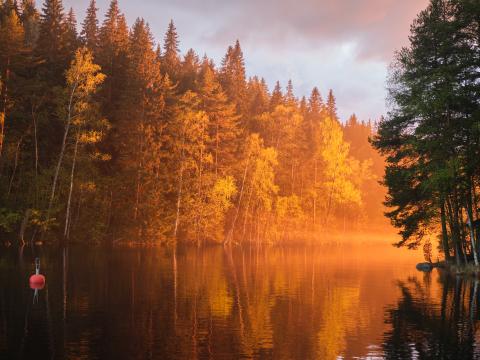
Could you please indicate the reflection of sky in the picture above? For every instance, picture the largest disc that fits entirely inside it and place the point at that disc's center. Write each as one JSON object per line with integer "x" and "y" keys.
{"x": 341, "y": 44}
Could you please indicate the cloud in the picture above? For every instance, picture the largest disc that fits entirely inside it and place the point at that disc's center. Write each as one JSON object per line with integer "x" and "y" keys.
{"x": 377, "y": 26}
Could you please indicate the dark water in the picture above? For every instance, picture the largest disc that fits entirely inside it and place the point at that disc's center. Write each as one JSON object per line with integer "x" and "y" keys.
{"x": 281, "y": 303}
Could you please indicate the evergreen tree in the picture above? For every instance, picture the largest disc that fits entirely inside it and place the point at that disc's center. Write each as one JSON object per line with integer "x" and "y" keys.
{"x": 277, "y": 96}
{"x": 140, "y": 130}
{"x": 112, "y": 57}
{"x": 52, "y": 40}
{"x": 90, "y": 30}
{"x": 171, "y": 59}
{"x": 71, "y": 36}
{"x": 223, "y": 127}
{"x": 189, "y": 70}
{"x": 232, "y": 77}
{"x": 429, "y": 138}
{"x": 331, "y": 106}
{"x": 258, "y": 100}
{"x": 30, "y": 20}
{"x": 290, "y": 96}
{"x": 315, "y": 103}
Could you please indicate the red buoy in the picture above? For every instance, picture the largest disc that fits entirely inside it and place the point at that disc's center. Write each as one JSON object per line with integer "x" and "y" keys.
{"x": 37, "y": 281}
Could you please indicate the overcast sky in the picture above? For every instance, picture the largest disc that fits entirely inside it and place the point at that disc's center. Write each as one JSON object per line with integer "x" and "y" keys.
{"x": 345, "y": 45}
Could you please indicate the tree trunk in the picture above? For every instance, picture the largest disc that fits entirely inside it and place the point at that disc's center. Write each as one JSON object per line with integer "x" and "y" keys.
{"x": 72, "y": 174}
{"x": 216, "y": 148}
{"x": 315, "y": 196}
{"x": 453, "y": 230}
{"x": 36, "y": 153}
{"x": 3, "y": 114}
{"x": 179, "y": 196}
{"x": 15, "y": 165}
{"x": 62, "y": 151}
{"x": 23, "y": 227}
{"x": 245, "y": 217}
{"x": 472, "y": 232}
{"x": 232, "y": 228}
{"x": 446, "y": 249}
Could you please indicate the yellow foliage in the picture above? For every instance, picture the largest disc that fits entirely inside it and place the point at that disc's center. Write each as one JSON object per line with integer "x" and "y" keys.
{"x": 339, "y": 304}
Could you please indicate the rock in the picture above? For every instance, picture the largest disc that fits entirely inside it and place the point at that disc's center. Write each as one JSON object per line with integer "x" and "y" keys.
{"x": 426, "y": 267}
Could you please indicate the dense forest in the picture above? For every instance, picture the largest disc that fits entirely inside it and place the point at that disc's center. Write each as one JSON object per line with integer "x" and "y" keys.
{"x": 431, "y": 136}
{"x": 107, "y": 135}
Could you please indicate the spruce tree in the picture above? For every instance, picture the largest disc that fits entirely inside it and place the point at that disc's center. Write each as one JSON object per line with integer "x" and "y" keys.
{"x": 290, "y": 96}
{"x": 277, "y": 96}
{"x": 223, "y": 126}
{"x": 170, "y": 58}
{"x": 315, "y": 103}
{"x": 429, "y": 138}
{"x": 52, "y": 40}
{"x": 90, "y": 30}
{"x": 31, "y": 21}
{"x": 233, "y": 78}
{"x": 71, "y": 36}
{"x": 112, "y": 57}
{"x": 331, "y": 106}
{"x": 189, "y": 70}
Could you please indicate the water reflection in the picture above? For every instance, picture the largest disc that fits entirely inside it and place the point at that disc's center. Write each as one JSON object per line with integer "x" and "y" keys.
{"x": 190, "y": 303}
{"x": 434, "y": 319}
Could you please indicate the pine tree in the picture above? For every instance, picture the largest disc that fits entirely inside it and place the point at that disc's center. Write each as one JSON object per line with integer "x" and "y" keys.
{"x": 140, "y": 129}
{"x": 429, "y": 138}
{"x": 7, "y": 6}
{"x": 277, "y": 96}
{"x": 223, "y": 127}
{"x": 171, "y": 59}
{"x": 112, "y": 57}
{"x": 31, "y": 21}
{"x": 303, "y": 107}
{"x": 290, "y": 96}
{"x": 189, "y": 70}
{"x": 51, "y": 44}
{"x": 90, "y": 30}
{"x": 315, "y": 103}
{"x": 331, "y": 106}
{"x": 71, "y": 36}
{"x": 258, "y": 100}
{"x": 232, "y": 77}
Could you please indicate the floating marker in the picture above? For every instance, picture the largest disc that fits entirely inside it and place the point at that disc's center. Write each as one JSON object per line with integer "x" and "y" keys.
{"x": 37, "y": 281}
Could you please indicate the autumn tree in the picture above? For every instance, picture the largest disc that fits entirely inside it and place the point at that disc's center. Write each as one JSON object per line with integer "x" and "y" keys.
{"x": 12, "y": 45}
{"x": 223, "y": 123}
{"x": 83, "y": 78}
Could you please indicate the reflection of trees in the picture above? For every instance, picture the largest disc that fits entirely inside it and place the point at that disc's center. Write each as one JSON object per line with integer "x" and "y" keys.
{"x": 423, "y": 328}
{"x": 189, "y": 303}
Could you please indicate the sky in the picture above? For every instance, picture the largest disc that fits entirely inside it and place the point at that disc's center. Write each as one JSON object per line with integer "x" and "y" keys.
{"x": 344, "y": 45}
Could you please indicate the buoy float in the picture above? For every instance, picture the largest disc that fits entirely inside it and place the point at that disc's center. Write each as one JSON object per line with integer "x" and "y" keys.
{"x": 37, "y": 281}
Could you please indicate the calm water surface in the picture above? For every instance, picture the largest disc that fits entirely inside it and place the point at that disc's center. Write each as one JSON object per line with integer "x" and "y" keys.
{"x": 211, "y": 303}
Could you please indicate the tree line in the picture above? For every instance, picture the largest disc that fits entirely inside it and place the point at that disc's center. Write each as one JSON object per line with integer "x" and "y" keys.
{"x": 106, "y": 134}
{"x": 431, "y": 137}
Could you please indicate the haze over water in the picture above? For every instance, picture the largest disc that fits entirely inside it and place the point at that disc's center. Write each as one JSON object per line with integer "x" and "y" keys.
{"x": 322, "y": 302}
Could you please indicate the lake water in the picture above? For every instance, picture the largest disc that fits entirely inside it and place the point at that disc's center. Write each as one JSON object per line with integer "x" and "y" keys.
{"x": 327, "y": 302}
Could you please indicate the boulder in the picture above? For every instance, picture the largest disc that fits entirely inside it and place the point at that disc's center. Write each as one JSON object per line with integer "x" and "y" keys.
{"x": 426, "y": 267}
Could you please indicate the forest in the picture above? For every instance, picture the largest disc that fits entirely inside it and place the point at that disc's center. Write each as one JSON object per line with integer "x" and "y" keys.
{"x": 431, "y": 137}
{"x": 108, "y": 136}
